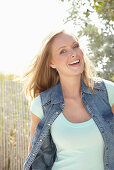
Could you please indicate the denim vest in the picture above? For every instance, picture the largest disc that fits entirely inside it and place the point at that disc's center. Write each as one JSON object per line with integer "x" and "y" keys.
{"x": 43, "y": 152}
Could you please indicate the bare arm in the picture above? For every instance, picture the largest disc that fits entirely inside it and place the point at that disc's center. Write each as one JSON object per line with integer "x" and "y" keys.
{"x": 113, "y": 108}
{"x": 34, "y": 122}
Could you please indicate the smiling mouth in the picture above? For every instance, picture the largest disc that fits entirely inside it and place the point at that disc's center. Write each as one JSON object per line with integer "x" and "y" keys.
{"x": 74, "y": 63}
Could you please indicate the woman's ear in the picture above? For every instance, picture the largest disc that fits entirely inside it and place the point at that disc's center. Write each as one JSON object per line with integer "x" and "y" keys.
{"x": 52, "y": 65}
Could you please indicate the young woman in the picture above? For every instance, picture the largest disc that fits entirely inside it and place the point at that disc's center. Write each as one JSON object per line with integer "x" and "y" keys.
{"x": 72, "y": 116}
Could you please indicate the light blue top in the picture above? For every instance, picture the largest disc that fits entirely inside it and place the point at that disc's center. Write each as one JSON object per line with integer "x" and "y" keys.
{"x": 79, "y": 145}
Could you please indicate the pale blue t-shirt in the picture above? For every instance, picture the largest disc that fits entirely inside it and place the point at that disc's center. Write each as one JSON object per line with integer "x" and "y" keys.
{"x": 80, "y": 146}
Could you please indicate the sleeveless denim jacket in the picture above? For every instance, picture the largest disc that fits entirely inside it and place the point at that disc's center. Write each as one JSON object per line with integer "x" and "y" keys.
{"x": 43, "y": 152}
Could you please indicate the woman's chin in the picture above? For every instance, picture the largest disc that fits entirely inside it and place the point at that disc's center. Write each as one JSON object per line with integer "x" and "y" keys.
{"x": 77, "y": 71}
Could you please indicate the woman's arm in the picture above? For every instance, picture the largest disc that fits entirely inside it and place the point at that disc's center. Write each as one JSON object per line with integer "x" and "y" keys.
{"x": 34, "y": 122}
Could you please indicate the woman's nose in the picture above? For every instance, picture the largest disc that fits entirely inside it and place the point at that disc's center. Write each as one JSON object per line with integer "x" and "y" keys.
{"x": 73, "y": 53}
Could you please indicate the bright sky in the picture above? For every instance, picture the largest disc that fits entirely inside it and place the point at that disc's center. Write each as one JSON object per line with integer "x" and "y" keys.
{"x": 24, "y": 24}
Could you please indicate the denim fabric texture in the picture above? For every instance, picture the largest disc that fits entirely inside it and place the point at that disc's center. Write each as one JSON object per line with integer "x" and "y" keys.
{"x": 43, "y": 152}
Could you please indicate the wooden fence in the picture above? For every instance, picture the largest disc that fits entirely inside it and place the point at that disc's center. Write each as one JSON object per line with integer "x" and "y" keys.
{"x": 14, "y": 125}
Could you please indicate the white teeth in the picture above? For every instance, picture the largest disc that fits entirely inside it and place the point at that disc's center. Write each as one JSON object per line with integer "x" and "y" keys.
{"x": 75, "y": 62}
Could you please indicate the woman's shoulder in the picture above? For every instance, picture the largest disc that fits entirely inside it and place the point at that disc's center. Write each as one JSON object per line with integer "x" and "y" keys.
{"x": 110, "y": 90}
{"x": 47, "y": 94}
{"x": 108, "y": 83}
{"x": 108, "y": 86}
{"x": 102, "y": 83}
{"x": 36, "y": 99}
{"x": 40, "y": 100}
{"x": 36, "y": 107}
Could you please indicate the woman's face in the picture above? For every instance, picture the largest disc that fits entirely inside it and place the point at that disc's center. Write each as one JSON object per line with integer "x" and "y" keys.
{"x": 67, "y": 57}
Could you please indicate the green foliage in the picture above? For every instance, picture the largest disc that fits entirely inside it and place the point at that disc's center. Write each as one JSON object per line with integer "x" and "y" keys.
{"x": 100, "y": 39}
{"x": 97, "y": 5}
{"x": 101, "y": 50}
{"x": 107, "y": 12}
{"x": 100, "y": 3}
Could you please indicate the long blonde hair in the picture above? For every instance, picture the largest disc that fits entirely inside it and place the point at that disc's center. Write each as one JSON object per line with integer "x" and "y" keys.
{"x": 39, "y": 76}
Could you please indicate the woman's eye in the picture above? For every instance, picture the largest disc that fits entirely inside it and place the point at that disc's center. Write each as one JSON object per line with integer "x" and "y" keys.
{"x": 76, "y": 46}
{"x": 62, "y": 51}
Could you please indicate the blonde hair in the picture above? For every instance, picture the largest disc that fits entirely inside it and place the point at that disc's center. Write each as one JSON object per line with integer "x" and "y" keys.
{"x": 39, "y": 76}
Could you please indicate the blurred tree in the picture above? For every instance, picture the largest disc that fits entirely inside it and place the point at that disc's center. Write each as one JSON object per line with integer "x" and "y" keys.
{"x": 7, "y": 76}
{"x": 83, "y": 13}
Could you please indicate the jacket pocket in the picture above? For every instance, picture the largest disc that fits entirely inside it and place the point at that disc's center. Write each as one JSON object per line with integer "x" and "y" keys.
{"x": 46, "y": 155}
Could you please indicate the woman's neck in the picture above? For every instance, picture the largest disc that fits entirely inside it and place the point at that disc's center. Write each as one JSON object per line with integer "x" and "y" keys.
{"x": 71, "y": 87}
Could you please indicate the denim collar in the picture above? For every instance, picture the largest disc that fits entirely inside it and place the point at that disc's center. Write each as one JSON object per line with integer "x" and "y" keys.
{"x": 54, "y": 95}
{"x": 57, "y": 95}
